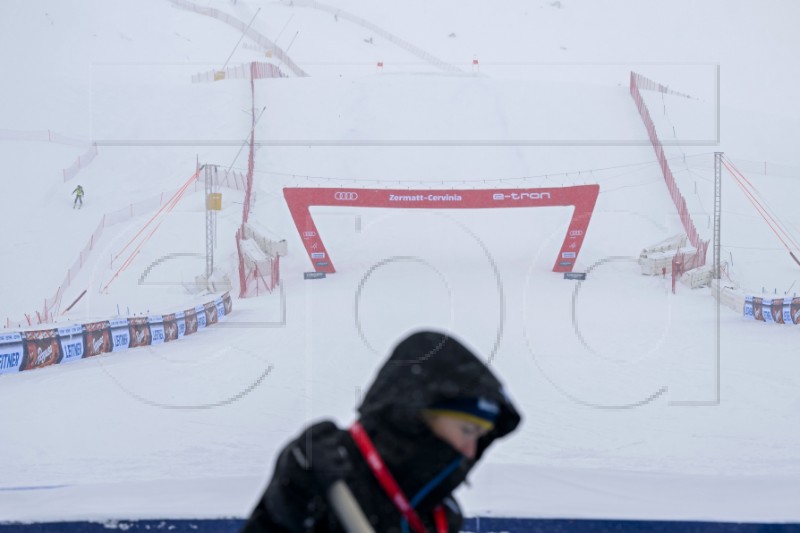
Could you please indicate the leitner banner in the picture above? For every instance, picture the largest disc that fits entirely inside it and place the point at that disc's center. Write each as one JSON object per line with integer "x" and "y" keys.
{"x": 71, "y": 339}
{"x": 220, "y": 308}
{"x": 180, "y": 321}
{"x": 200, "y": 311}
{"x": 120, "y": 334}
{"x": 748, "y": 307}
{"x": 156, "y": 324}
{"x": 766, "y": 310}
{"x": 582, "y": 197}
{"x": 11, "y": 352}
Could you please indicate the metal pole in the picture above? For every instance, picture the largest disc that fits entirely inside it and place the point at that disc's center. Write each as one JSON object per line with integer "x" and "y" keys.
{"x": 718, "y": 288}
{"x": 216, "y": 181}
{"x": 717, "y": 213}
{"x": 240, "y": 39}
{"x": 209, "y": 223}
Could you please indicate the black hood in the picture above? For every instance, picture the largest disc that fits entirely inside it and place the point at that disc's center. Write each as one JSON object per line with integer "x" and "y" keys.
{"x": 425, "y": 368}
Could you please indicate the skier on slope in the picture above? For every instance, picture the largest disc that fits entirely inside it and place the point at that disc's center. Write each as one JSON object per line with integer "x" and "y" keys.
{"x": 78, "y": 192}
{"x": 431, "y": 413}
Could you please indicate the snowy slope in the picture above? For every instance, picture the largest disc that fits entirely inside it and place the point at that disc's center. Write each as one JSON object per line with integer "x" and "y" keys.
{"x": 631, "y": 411}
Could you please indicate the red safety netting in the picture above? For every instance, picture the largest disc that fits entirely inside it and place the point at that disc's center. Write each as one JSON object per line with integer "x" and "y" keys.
{"x": 699, "y": 257}
{"x": 80, "y": 163}
{"x": 685, "y": 261}
{"x": 255, "y": 276}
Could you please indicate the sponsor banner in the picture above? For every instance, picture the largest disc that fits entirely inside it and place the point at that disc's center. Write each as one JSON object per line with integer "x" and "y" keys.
{"x": 71, "y": 339}
{"x": 575, "y": 275}
{"x": 748, "y": 307}
{"x": 766, "y": 310}
{"x": 787, "y": 311}
{"x": 220, "y": 308}
{"x": 313, "y": 275}
{"x": 11, "y": 352}
{"x": 200, "y": 311}
{"x": 36, "y": 349}
{"x": 757, "y": 309}
{"x": 156, "y": 325}
{"x": 568, "y": 255}
{"x": 322, "y": 263}
{"x": 776, "y": 310}
{"x": 565, "y": 263}
{"x": 98, "y": 338}
{"x": 211, "y": 313}
{"x": 317, "y": 255}
{"x": 170, "y": 327}
{"x": 140, "y": 332}
{"x": 190, "y": 318}
{"x": 228, "y": 303}
{"x": 120, "y": 334}
{"x": 41, "y": 349}
{"x": 795, "y": 310}
{"x": 180, "y": 321}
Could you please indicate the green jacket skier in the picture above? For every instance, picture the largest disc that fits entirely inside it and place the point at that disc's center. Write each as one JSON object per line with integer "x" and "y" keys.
{"x": 78, "y": 192}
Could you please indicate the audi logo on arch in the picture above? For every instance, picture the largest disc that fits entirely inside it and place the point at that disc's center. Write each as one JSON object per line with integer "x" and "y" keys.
{"x": 345, "y": 195}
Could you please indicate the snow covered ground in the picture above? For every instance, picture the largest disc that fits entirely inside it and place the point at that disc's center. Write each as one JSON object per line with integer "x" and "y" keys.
{"x": 636, "y": 406}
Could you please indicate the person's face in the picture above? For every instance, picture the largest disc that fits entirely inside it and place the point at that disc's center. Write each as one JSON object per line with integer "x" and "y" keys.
{"x": 461, "y": 434}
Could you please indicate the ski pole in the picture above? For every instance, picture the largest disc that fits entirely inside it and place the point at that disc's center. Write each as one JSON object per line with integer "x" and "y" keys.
{"x": 347, "y": 509}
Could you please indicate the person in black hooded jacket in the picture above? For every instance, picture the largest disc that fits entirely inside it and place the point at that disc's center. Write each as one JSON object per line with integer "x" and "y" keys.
{"x": 430, "y": 414}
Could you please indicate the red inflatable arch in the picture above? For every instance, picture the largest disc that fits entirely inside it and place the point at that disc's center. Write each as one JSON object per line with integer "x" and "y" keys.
{"x": 582, "y": 197}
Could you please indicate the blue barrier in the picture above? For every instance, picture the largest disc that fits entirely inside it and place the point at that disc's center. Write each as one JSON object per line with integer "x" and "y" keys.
{"x": 471, "y": 525}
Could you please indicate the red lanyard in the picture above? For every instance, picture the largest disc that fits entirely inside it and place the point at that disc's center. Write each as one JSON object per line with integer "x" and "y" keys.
{"x": 390, "y": 486}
